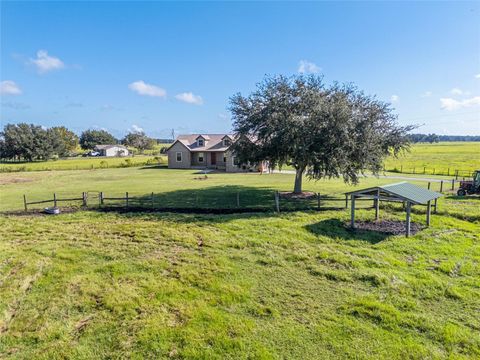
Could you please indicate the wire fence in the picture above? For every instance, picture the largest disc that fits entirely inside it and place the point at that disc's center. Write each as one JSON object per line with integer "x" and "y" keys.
{"x": 216, "y": 200}
{"x": 425, "y": 170}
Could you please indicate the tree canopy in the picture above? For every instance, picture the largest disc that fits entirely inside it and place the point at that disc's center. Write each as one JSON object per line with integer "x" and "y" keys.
{"x": 68, "y": 138}
{"x": 90, "y": 138}
{"x": 139, "y": 140}
{"x": 323, "y": 131}
{"x": 29, "y": 142}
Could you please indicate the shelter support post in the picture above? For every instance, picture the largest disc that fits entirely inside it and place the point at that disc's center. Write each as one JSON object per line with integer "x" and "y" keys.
{"x": 435, "y": 206}
{"x": 429, "y": 209}
{"x": 377, "y": 205}
{"x": 352, "y": 212}
{"x": 407, "y": 225}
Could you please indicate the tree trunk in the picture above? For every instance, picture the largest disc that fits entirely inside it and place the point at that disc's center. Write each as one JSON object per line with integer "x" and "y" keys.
{"x": 298, "y": 180}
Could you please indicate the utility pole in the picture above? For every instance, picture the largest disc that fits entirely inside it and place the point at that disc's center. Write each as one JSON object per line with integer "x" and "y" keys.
{"x": 173, "y": 135}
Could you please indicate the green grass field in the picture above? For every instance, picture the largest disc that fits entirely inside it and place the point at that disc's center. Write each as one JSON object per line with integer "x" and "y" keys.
{"x": 441, "y": 158}
{"x": 294, "y": 285}
{"x": 81, "y": 163}
{"x": 170, "y": 187}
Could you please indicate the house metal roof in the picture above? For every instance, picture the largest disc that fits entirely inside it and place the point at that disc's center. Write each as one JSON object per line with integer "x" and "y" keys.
{"x": 402, "y": 190}
{"x": 213, "y": 142}
{"x": 104, "y": 147}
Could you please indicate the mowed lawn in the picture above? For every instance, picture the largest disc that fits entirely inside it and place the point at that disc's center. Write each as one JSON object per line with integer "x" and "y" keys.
{"x": 172, "y": 188}
{"x": 296, "y": 285}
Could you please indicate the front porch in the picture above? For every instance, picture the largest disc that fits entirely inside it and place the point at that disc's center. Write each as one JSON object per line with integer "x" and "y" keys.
{"x": 208, "y": 160}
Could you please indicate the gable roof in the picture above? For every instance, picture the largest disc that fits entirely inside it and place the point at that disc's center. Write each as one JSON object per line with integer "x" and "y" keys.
{"x": 105, "y": 147}
{"x": 213, "y": 142}
{"x": 402, "y": 190}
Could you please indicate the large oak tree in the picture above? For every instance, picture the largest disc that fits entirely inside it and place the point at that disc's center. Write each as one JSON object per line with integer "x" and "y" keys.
{"x": 90, "y": 138}
{"x": 322, "y": 131}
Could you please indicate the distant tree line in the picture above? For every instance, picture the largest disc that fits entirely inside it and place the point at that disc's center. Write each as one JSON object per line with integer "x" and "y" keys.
{"x": 434, "y": 138}
{"x": 28, "y": 142}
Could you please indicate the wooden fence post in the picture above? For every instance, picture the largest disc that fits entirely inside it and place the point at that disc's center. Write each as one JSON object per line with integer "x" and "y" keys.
{"x": 453, "y": 184}
{"x": 54, "y": 200}
{"x": 84, "y": 198}
{"x": 429, "y": 183}
{"x": 456, "y": 174}
{"x": 25, "y": 202}
{"x": 100, "y": 197}
{"x": 126, "y": 199}
{"x": 441, "y": 185}
{"x": 346, "y": 201}
{"x": 424, "y": 169}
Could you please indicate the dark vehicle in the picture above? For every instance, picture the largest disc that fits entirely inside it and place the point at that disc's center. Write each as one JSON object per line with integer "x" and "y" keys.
{"x": 469, "y": 187}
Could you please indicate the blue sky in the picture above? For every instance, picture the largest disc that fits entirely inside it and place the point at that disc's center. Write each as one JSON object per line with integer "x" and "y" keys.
{"x": 158, "y": 66}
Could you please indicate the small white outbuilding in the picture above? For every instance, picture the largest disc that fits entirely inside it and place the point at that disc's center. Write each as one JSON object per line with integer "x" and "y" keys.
{"x": 112, "y": 150}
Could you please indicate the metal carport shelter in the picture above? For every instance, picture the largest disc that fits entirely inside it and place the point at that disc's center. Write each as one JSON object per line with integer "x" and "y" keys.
{"x": 404, "y": 192}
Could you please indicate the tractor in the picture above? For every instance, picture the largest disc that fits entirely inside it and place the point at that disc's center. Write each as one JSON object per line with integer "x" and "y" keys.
{"x": 470, "y": 186}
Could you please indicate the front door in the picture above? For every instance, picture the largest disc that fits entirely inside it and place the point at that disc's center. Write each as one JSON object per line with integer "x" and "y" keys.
{"x": 213, "y": 160}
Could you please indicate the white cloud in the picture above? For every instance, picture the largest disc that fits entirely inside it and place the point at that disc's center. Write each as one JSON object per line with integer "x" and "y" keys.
{"x": 46, "y": 63}
{"x": 190, "y": 98}
{"x": 307, "y": 67}
{"x": 456, "y": 91}
{"x": 9, "y": 87}
{"x": 477, "y": 76}
{"x": 395, "y": 98}
{"x": 136, "y": 129}
{"x": 452, "y": 104}
{"x": 426, "y": 94}
{"x": 142, "y": 88}
{"x": 223, "y": 116}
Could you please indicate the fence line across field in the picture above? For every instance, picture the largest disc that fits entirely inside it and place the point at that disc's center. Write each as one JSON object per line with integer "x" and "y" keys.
{"x": 425, "y": 170}
{"x": 228, "y": 201}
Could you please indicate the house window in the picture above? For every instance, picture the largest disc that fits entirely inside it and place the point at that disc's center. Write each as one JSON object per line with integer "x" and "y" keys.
{"x": 200, "y": 157}
{"x": 226, "y": 142}
{"x": 201, "y": 142}
{"x": 235, "y": 161}
{"x": 179, "y": 156}
{"x": 224, "y": 159}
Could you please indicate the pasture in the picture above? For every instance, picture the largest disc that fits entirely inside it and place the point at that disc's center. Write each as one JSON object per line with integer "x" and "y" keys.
{"x": 82, "y": 163}
{"x": 443, "y": 158}
{"x": 440, "y": 157}
{"x": 90, "y": 284}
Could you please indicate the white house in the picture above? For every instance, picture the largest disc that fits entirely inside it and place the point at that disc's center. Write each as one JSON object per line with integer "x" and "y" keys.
{"x": 112, "y": 150}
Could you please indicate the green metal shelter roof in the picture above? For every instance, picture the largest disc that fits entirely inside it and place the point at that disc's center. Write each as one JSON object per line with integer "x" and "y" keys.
{"x": 402, "y": 190}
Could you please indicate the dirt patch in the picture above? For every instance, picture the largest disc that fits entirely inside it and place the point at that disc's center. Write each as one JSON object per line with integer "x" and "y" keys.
{"x": 392, "y": 227}
{"x": 293, "y": 196}
{"x": 13, "y": 180}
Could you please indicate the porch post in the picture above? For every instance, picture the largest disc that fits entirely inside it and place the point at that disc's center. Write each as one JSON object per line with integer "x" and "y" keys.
{"x": 352, "y": 211}
{"x": 407, "y": 225}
